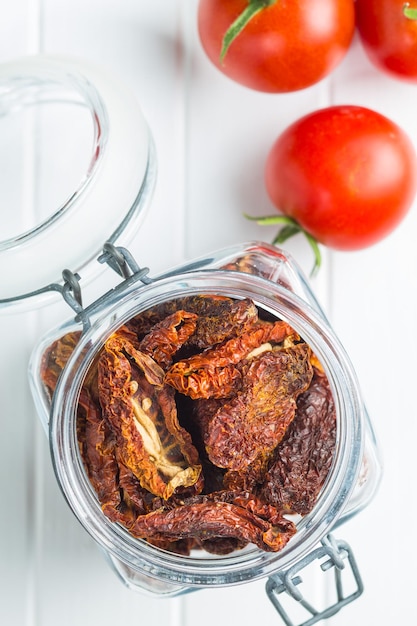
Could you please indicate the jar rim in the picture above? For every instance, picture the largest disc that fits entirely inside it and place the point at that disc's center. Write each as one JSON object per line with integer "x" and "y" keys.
{"x": 245, "y": 565}
{"x": 112, "y": 194}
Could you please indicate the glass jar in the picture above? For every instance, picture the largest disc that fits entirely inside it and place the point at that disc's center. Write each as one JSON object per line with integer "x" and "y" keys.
{"x": 273, "y": 281}
{"x": 107, "y": 201}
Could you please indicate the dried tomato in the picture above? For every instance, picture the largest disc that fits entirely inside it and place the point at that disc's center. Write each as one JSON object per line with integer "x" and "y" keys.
{"x": 142, "y": 415}
{"x": 211, "y": 517}
{"x": 218, "y": 318}
{"x": 99, "y": 457}
{"x": 211, "y": 373}
{"x": 252, "y": 475}
{"x": 304, "y": 457}
{"x": 201, "y": 424}
{"x": 55, "y": 358}
{"x": 255, "y": 420}
{"x": 166, "y": 337}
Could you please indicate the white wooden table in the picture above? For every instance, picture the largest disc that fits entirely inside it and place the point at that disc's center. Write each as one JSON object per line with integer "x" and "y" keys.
{"x": 211, "y": 137}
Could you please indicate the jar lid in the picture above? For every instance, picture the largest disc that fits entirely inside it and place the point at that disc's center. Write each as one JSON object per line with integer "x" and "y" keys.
{"x": 78, "y": 166}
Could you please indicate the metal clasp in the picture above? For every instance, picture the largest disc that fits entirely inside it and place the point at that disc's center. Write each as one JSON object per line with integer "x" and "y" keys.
{"x": 339, "y": 555}
{"x": 121, "y": 261}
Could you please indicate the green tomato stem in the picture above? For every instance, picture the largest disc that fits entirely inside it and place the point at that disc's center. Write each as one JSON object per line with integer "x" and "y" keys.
{"x": 316, "y": 251}
{"x": 254, "y": 7}
{"x": 409, "y": 12}
{"x": 285, "y": 233}
{"x": 290, "y": 227}
{"x": 269, "y": 220}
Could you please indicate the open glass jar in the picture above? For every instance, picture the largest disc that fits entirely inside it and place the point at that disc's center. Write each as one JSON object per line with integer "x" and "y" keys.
{"x": 273, "y": 282}
{"x": 264, "y": 274}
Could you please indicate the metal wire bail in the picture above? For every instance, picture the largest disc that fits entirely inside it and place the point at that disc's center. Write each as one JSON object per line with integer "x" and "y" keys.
{"x": 339, "y": 554}
{"x": 123, "y": 263}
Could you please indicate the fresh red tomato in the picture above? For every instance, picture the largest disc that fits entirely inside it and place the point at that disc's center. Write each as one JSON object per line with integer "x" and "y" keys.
{"x": 388, "y": 31}
{"x": 276, "y": 45}
{"x": 345, "y": 174}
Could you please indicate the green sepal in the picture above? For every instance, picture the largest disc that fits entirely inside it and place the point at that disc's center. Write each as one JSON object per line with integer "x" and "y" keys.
{"x": 316, "y": 251}
{"x": 269, "y": 220}
{"x": 254, "y": 7}
{"x": 290, "y": 228}
{"x": 285, "y": 233}
{"x": 410, "y": 12}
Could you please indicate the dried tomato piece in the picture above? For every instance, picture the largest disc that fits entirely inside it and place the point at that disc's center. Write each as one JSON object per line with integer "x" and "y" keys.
{"x": 218, "y": 317}
{"x": 167, "y": 336}
{"x": 181, "y": 546}
{"x": 218, "y": 516}
{"x": 99, "y": 457}
{"x": 95, "y": 438}
{"x": 303, "y": 459}
{"x": 206, "y": 382}
{"x": 248, "y": 478}
{"x": 55, "y": 358}
{"x": 253, "y": 422}
{"x": 212, "y": 373}
{"x": 142, "y": 323}
{"x": 222, "y": 545}
{"x": 256, "y": 262}
{"x": 135, "y": 497}
{"x": 142, "y": 414}
{"x": 250, "y": 436}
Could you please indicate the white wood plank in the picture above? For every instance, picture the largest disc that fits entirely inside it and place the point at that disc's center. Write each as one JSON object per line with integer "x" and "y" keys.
{"x": 139, "y": 42}
{"x": 18, "y": 480}
{"x": 19, "y": 29}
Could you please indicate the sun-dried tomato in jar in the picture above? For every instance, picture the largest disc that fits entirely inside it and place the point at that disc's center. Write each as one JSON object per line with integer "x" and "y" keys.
{"x": 202, "y": 423}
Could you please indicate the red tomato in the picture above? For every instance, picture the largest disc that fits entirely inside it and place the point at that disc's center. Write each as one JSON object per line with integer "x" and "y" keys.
{"x": 288, "y": 45}
{"x": 346, "y": 174}
{"x": 389, "y": 37}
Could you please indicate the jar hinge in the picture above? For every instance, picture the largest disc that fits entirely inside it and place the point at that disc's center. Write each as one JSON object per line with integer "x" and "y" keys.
{"x": 339, "y": 554}
{"x": 118, "y": 259}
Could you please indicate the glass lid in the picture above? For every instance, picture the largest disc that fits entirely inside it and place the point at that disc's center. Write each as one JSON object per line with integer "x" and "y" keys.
{"x": 77, "y": 167}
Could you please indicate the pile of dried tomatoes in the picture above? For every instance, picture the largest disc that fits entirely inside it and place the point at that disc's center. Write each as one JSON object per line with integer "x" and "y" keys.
{"x": 203, "y": 423}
